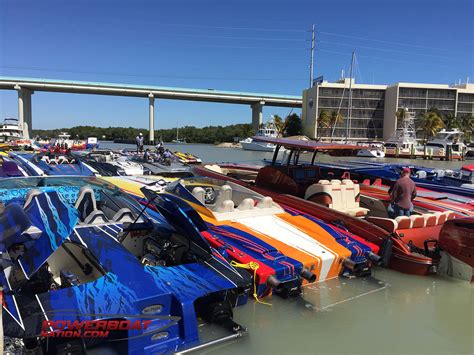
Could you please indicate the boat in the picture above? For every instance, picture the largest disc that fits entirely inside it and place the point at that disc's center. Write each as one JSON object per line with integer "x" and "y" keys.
{"x": 403, "y": 142}
{"x": 10, "y": 130}
{"x": 156, "y": 164}
{"x": 268, "y": 129}
{"x": 469, "y": 151}
{"x": 9, "y": 168}
{"x": 463, "y": 177}
{"x": 39, "y": 164}
{"x": 92, "y": 143}
{"x": 179, "y": 140}
{"x": 457, "y": 244}
{"x": 187, "y": 158}
{"x": 78, "y": 250}
{"x": 446, "y": 144}
{"x": 371, "y": 149}
{"x": 110, "y": 163}
{"x": 64, "y": 141}
{"x": 295, "y": 184}
{"x": 261, "y": 231}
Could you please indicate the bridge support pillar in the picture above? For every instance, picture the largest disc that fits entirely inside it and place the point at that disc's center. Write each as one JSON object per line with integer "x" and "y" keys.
{"x": 151, "y": 99}
{"x": 25, "y": 118}
{"x": 257, "y": 119}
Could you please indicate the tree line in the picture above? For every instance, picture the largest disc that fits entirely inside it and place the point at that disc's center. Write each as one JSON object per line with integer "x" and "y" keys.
{"x": 208, "y": 134}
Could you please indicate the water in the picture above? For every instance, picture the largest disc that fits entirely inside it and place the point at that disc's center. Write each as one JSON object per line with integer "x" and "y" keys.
{"x": 388, "y": 313}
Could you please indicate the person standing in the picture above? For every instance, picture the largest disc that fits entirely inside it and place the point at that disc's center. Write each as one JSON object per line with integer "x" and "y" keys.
{"x": 139, "y": 141}
{"x": 402, "y": 193}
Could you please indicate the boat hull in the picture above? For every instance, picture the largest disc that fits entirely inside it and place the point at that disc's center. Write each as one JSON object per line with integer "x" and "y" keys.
{"x": 259, "y": 147}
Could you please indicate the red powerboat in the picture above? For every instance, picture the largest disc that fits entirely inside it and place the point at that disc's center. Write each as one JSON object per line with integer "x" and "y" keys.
{"x": 457, "y": 242}
{"x": 288, "y": 182}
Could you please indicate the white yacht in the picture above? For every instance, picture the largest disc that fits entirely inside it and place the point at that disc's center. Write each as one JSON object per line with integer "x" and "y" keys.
{"x": 403, "y": 143}
{"x": 437, "y": 147}
{"x": 268, "y": 129}
{"x": 371, "y": 150}
{"x": 10, "y": 130}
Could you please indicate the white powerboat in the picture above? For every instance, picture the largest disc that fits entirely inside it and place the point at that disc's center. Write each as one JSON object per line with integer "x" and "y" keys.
{"x": 438, "y": 146}
{"x": 266, "y": 130}
{"x": 371, "y": 150}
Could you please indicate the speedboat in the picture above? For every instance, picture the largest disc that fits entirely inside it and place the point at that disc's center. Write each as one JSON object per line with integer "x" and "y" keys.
{"x": 76, "y": 251}
{"x": 268, "y": 129}
{"x": 371, "y": 150}
{"x": 110, "y": 163}
{"x": 9, "y": 168}
{"x": 157, "y": 165}
{"x": 187, "y": 158}
{"x": 259, "y": 230}
{"x": 52, "y": 164}
{"x": 457, "y": 244}
{"x": 298, "y": 185}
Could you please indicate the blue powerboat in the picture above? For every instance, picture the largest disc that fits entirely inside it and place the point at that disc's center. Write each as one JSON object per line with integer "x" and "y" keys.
{"x": 50, "y": 163}
{"x": 77, "y": 251}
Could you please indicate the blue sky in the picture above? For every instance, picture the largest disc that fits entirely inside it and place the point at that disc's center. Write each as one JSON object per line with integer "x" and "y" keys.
{"x": 246, "y": 45}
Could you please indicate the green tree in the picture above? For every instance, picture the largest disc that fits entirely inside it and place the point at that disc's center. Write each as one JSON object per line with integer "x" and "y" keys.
{"x": 401, "y": 114}
{"x": 336, "y": 118}
{"x": 293, "y": 125}
{"x": 323, "y": 122}
{"x": 451, "y": 121}
{"x": 467, "y": 126}
{"x": 280, "y": 124}
{"x": 431, "y": 123}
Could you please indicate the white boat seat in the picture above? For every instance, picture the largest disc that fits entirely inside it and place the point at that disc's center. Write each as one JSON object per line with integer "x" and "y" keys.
{"x": 214, "y": 167}
{"x": 224, "y": 194}
{"x": 441, "y": 217}
{"x": 246, "y": 204}
{"x": 85, "y": 202}
{"x": 199, "y": 193}
{"x": 404, "y": 222}
{"x": 96, "y": 217}
{"x": 124, "y": 215}
{"x": 45, "y": 159}
{"x": 390, "y": 225}
{"x": 324, "y": 182}
{"x": 430, "y": 219}
{"x": 226, "y": 206}
{"x": 449, "y": 215}
{"x": 62, "y": 160}
{"x": 417, "y": 221}
{"x": 421, "y": 174}
{"x": 30, "y": 196}
{"x": 266, "y": 202}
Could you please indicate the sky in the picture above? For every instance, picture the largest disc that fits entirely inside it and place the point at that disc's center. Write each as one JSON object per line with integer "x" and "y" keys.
{"x": 247, "y": 45}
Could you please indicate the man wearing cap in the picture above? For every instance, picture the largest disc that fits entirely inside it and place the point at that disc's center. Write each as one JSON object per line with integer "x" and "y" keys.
{"x": 402, "y": 193}
{"x": 139, "y": 141}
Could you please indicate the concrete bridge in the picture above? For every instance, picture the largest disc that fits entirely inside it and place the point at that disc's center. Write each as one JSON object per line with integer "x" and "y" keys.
{"x": 27, "y": 86}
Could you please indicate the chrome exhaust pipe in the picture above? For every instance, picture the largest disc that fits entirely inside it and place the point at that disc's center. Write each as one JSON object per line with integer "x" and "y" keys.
{"x": 377, "y": 259}
{"x": 273, "y": 282}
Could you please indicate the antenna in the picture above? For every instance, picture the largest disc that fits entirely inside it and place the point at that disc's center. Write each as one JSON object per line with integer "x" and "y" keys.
{"x": 342, "y": 74}
{"x": 349, "y": 125}
{"x": 311, "y": 63}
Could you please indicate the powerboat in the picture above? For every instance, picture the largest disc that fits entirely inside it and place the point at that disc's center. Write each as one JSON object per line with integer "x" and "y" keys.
{"x": 187, "y": 158}
{"x": 76, "y": 251}
{"x": 110, "y": 163}
{"x": 446, "y": 143}
{"x": 157, "y": 164}
{"x": 298, "y": 184}
{"x": 457, "y": 244}
{"x": 371, "y": 150}
{"x": 52, "y": 164}
{"x": 9, "y": 168}
{"x": 268, "y": 129}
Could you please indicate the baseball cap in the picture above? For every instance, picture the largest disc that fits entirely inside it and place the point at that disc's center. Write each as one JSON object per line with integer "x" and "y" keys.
{"x": 406, "y": 170}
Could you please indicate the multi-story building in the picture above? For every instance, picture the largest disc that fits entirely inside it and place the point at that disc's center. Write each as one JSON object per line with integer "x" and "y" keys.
{"x": 372, "y": 114}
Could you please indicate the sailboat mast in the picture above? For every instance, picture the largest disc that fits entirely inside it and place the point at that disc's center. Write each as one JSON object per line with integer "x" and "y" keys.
{"x": 349, "y": 109}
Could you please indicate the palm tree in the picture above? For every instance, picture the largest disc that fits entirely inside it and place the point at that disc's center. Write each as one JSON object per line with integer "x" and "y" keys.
{"x": 280, "y": 124}
{"x": 451, "y": 121}
{"x": 323, "y": 122}
{"x": 401, "y": 114}
{"x": 431, "y": 123}
{"x": 467, "y": 126}
{"x": 336, "y": 118}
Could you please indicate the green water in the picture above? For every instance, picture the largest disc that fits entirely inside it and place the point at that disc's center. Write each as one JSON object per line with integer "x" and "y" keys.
{"x": 388, "y": 313}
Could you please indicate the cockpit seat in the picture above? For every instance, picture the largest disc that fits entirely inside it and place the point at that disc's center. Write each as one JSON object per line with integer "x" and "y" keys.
{"x": 404, "y": 222}
{"x": 226, "y": 206}
{"x": 199, "y": 193}
{"x": 224, "y": 194}
{"x": 62, "y": 160}
{"x": 96, "y": 217}
{"x": 246, "y": 204}
{"x": 123, "y": 215}
{"x": 85, "y": 203}
{"x": 421, "y": 174}
{"x": 417, "y": 221}
{"x": 266, "y": 202}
